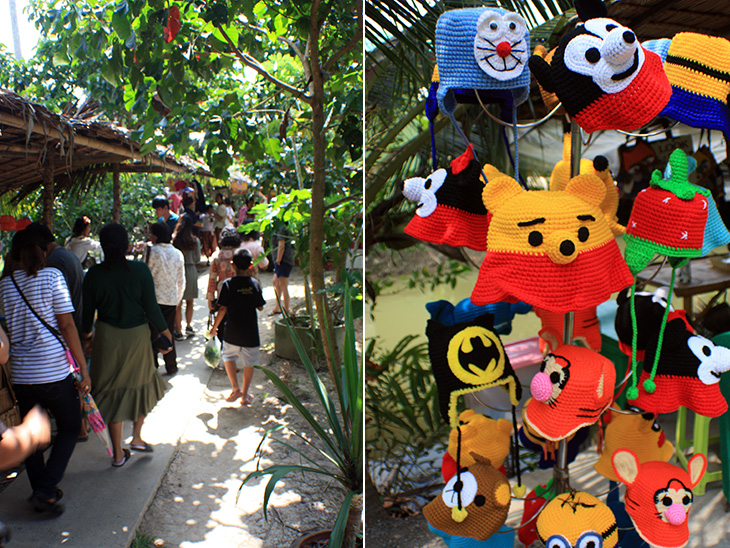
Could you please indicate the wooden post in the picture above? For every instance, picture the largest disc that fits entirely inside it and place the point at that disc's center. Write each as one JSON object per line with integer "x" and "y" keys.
{"x": 48, "y": 191}
{"x": 116, "y": 195}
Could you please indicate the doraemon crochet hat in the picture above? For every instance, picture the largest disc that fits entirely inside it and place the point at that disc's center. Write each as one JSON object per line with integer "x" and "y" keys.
{"x": 637, "y": 432}
{"x": 551, "y": 249}
{"x": 572, "y": 389}
{"x": 659, "y": 496}
{"x": 577, "y": 519}
{"x": 481, "y": 49}
{"x": 468, "y": 357}
{"x": 450, "y": 210}
{"x": 464, "y": 311}
{"x": 602, "y": 75}
{"x": 668, "y": 218}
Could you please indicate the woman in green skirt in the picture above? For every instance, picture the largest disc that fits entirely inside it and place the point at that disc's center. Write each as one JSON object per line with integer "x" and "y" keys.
{"x": 126, "y": 385}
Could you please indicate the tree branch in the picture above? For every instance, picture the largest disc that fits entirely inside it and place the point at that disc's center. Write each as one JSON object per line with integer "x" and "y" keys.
{"x": 349, "y": 198}
{"x": 355, "y": 40}
{"x": 253, "y": 63}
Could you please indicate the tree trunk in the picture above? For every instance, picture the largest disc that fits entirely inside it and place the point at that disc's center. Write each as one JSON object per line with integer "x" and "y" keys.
{"x": 48, "y": 196}
{"x": 354, "y": 518}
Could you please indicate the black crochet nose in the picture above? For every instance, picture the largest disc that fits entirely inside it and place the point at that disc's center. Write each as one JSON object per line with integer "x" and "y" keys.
{"x": 567, "y": 248}
{"x": 629, "y": 37}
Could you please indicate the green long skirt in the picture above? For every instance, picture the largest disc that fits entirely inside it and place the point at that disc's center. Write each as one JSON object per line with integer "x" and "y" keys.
{"x": 124, "y": 380}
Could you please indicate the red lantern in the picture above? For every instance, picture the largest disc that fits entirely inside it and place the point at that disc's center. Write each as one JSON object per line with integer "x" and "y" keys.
{"x": 22, "y": 223}
{"x": 7, "y": 222}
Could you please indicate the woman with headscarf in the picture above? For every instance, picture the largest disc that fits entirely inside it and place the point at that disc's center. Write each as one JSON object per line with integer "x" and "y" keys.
{"x": 39, "y": 311}
{"x": 126, "y": 385}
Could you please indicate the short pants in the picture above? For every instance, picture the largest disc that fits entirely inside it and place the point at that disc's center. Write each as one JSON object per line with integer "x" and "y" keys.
{"x": 249, "y": 354}
{"x": 282, "y": 270}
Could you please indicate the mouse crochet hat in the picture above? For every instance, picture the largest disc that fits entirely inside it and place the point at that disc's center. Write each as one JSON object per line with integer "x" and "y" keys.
{"x": 637, "y": 432}
{"x": 450, "y": 210}
{"x": 481, "y": 49}
{"x": 659, "y": 496}
{"x": 464, "y": 311}
{"x": 572, "y": 389}
{"x": 602, "y": 75}
{"x": 474, "y": 503}
{"x": 551, "y": 249}
{"x": 577, "y": 519}
{"x": 468, "y": 357}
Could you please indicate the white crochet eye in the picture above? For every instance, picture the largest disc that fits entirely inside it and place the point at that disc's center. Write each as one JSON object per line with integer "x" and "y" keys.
{"x": 500, "y": 48}
{"x": 424, "y": 191}
{"x": 714, "y": 360}
{"x": 461, "y": 488}
{"x": 558, "y": 541}
{"x": 589, "y": 539}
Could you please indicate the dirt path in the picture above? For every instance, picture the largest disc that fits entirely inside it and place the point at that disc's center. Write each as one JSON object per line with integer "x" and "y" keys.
{"x": 200, "y": 501}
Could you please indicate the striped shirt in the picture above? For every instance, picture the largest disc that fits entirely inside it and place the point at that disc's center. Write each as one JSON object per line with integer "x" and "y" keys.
{"x": 36, "y": 355}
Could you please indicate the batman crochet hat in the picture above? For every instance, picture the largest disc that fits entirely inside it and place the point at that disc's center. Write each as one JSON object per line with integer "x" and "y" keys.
{"x": 468, "y": 357}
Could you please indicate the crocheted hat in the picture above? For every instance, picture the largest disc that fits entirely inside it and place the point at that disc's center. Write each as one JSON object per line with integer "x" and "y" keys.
{"x": 687, "y": 373}
{"x": 659, "y": 496}
{"x": 572, "y": 389}
{"x": 668, "y": 218}
{"x": 474, "y": 503}
{"x": 639, "y": 433}
{"x": 480, "y": 435}
{"x": 548, "y": 450}
{"x": 577, "y": 519}
{"x": 504, "y": 538}
{"x": 697, "y": 70}
{"x": 450, "y": 210}
{"x": 586, "y": 329}
{"x": 464, "y": 311}
{"x": 482, "y": 49}
{"x": 716, "y": 234}
{"x": 601, "y": 74}
{"x": 468, "y": 357}
{"x": 552, "y": 249}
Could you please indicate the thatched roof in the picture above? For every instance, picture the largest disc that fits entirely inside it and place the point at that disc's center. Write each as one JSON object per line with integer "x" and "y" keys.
{"x": 35, "y": 141}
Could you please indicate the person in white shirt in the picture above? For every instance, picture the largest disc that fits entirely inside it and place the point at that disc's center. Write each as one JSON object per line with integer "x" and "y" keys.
{"x": 168, "y": 271}
{"x": 250, "y": 241}
{"x": 81, "y": 245}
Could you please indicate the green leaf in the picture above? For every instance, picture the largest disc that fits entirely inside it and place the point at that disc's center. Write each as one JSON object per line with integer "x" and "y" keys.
{"x": 121, "y": 24}
{"x": 108, "y": 73}
{"x": 60, "y": 59}
{"x": 273, "y": 147}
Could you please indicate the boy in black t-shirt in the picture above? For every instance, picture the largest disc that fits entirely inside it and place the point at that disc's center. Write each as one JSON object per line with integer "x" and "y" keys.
{"x": 239, "y": 299}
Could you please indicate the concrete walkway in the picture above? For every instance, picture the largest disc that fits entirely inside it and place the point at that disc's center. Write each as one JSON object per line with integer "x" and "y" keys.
{"x": 104, "y": 505}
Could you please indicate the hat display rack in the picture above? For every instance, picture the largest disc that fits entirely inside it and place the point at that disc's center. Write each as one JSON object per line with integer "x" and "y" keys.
{"x": 466, "y": 353}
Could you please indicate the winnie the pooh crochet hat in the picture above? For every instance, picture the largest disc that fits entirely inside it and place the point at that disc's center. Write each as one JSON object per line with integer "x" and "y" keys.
{"x": 572, "y": 389}
{"x": 450, "y": 210}
{"x": 551, "y": 249}
{"x": 659, "y": 496}
{"x": 640, "y": 433}
{"x": 577, "y": 519}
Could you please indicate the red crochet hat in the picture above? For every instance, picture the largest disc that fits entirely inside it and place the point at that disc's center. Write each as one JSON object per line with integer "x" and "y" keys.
{"x": 572, "y": 389}
{"x": 450, "y": 210}
{"x": 550, "y": 249}
{"x": 659, "y": 496}
{"x": 586, "y": 329}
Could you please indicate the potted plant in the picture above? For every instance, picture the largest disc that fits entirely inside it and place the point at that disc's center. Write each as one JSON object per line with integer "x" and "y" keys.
{"x": 338, "y": 438}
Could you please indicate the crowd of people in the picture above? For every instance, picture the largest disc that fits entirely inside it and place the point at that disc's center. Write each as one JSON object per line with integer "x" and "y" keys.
{"x": 87, "y": 305}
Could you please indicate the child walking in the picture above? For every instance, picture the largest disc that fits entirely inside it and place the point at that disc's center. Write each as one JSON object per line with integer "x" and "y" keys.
{"x": 239, "y": 298}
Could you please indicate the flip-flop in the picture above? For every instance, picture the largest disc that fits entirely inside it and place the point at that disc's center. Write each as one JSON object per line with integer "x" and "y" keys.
{"x": 233, "y": 396}
{"x": 272, "y": 313}
{"x": 146, "y": 448}
{"x": 126, "y": 454}
{"x": 248, "y": 400}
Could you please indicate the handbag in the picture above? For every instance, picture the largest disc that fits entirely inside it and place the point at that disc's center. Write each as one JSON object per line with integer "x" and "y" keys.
{"x": 9, "y": 411}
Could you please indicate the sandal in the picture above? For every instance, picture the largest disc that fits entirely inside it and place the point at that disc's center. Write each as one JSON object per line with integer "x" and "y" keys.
{"x": 248, "y": 400}
{"x": 44, "y": 505}
{"x": 233, "y": 396}
{"x": 126, "y": 454}
{"x": 144, "y": 448}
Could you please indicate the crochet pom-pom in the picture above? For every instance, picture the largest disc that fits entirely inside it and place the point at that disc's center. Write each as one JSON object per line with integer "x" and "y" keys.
{"x": 649, "y": 386}
{"x": 632, "y": 393}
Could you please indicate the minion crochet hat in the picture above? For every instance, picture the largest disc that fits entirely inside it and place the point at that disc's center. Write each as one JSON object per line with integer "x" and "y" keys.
{"x": 450, "y": 210}
{"x": 577, "y": 519}
{"x": 481, "y": 49}
{"x": 468, "y": 357}
{"x": 572, "y": 389}
{"x": 659, "y": 496}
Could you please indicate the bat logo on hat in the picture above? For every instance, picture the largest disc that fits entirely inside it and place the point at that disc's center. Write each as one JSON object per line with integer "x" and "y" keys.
{"x": 476, "y": 356}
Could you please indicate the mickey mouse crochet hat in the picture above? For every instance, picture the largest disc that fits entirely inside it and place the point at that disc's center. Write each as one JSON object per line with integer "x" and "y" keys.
{"x": 450, "y": 210}
{"x": 572, "y": 389}
{"x": 464, "y": 311}
{"x": 551, "y": 249}
{"x": 659, "y": 496}
{"x": 468, "y": 357}
{"x": 602, "y": 75}
{"x": 577, "y": 519}
{"x": 481, "y": 49}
